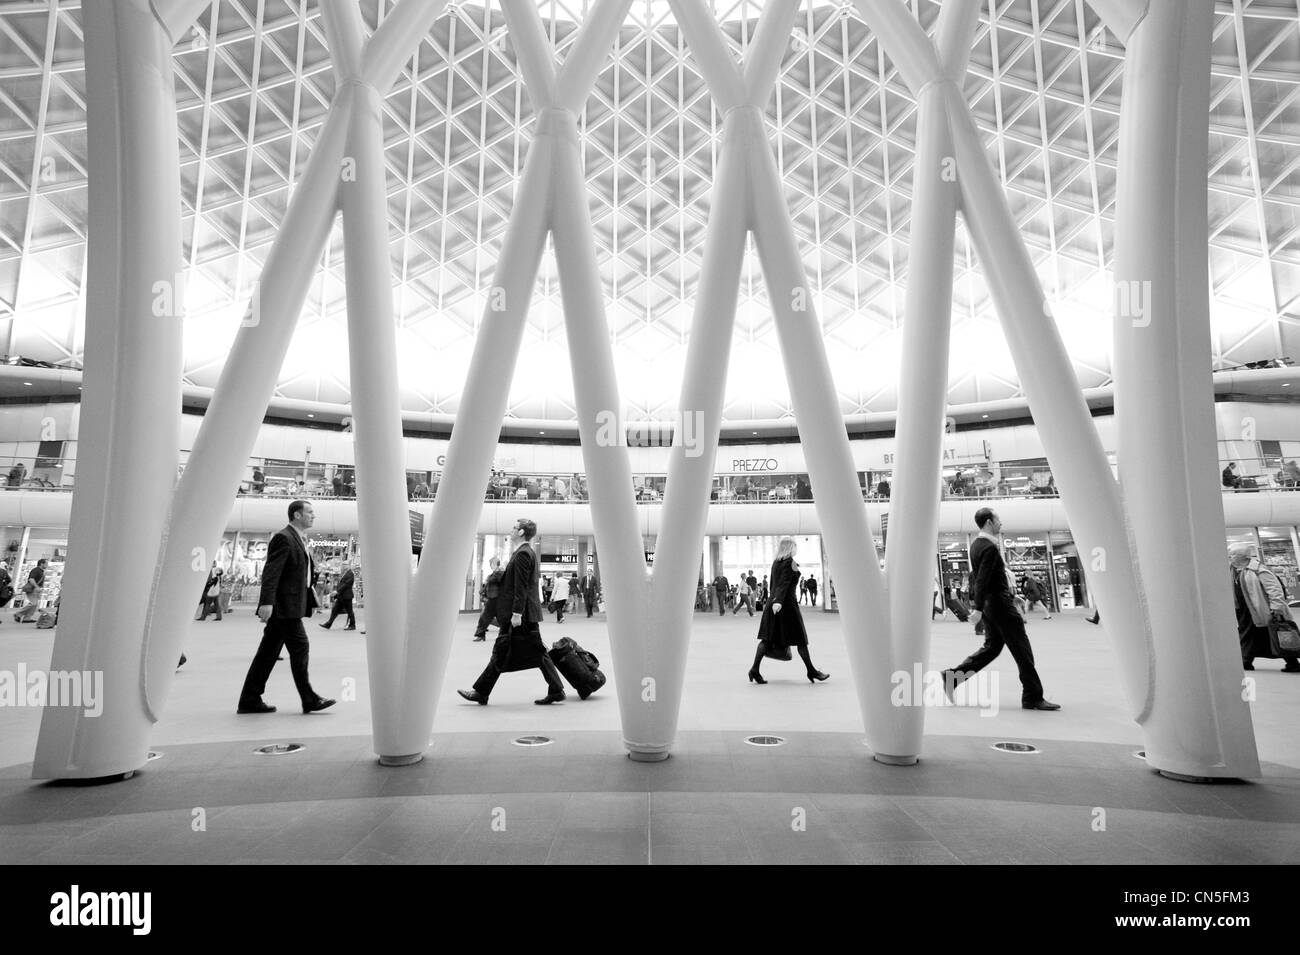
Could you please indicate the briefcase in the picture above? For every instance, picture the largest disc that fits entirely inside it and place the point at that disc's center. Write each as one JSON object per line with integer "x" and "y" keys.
{"x": 1283, "y": 637}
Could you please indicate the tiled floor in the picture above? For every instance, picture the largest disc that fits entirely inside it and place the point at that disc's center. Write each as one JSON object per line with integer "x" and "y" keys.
{"x": 818, "y": 798}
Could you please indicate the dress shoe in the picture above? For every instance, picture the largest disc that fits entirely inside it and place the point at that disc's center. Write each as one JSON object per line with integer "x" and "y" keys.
{"x": 818, "y": 676}
{"x": 1291, "y": 668}
{"x": 258, "y": 707}
{"x": 1041, "y": 705}
{"x": 474, "y": 696}
{"x": 549, "y": 698}
{"x": 324, "y": 626}
{"x": 1248, "y": 666}
{"x": 320, "y": 704}
{"x": 756, "y": 677}
{"x": 480, "y": 640}
{"x": 346, "y": 628}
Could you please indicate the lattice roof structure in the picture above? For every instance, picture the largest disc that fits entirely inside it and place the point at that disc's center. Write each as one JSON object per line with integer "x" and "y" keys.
{"x": 253, "y": 86}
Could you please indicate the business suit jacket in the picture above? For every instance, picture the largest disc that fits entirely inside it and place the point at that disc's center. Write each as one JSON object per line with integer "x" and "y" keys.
{"x": 519, "y": 589}
{"x": 344, "y": 589}
{"x": 988, "y": 578}
{"x": 287, "y": 576}
{"x": 521, "y": 647}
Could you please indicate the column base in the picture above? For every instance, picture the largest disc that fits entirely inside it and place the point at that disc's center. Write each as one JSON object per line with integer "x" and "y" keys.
{"x": 889, "y": 760}
{"x": 409, "y": 760}
{"x": 1184, "y": 778}
{"x": 651, "y": 757}
{"x": 93, "y": 780}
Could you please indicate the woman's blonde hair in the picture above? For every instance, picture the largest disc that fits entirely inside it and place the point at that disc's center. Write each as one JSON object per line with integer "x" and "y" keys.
{"x": 785, "y": 548}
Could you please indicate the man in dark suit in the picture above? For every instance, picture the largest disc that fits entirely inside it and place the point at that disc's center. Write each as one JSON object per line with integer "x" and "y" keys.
{"x": 343, "y": 600}
{"x": 992, "y": 601}
{"x": 286, "y": 598}
{"x": 721, "y": 585}
{"x": 589, "y": 592}
{"x": 519, "y": 645}
{"x": 491, "y": 591}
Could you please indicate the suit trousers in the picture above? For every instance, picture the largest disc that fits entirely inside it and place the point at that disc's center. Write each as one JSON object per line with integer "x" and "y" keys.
{"x": 1002, "y": 628}
{"x": 488, "y": 616}
{"x": 492, "y": 672}
{"x": 279, "y": 632}
{"x": 342, "y": 605}
{"x": 211, "y": 605}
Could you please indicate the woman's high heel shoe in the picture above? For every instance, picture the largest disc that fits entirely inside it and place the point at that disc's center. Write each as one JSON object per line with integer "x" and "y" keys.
{"x": 756, "y": 677}
{"x": 819, "y": 676}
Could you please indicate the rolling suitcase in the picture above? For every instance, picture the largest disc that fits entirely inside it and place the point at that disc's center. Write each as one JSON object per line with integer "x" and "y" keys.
{"x": 580, "y": 667}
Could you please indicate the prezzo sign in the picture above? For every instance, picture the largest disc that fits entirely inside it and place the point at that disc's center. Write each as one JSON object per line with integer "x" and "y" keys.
{"x": 754, "y": 464}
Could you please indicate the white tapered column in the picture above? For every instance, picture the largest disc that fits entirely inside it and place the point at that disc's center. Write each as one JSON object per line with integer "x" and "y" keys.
{"x": 650, "y": 733}
{"x": 450, "y": 535}
{"x": 922, "y": 400}
{"x": 130, "y": 412}
{"x": 1164, "y": 397}
{"x": 609, "y": 472}
{"x": 923, "y": 377}
{"x": 377, "y": 415}
{"x": 837, "y": 496}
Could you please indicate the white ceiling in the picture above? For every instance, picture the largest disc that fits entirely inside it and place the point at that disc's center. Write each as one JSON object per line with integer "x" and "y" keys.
{"x": 253, "y": 84}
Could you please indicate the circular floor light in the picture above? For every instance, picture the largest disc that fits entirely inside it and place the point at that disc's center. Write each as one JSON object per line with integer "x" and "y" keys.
{"x": 1141, "y": 754}
{"x": 152, "y": 756}
{"x": 765, "y": 740}
{"x": 279, "y": 749}
{"x": 1005, "y": 747}
{"x": 532, "y": 741}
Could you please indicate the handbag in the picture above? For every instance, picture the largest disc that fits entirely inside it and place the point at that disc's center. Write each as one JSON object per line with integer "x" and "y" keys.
{"x": 777, "y": 653}
{"x": 1284, "y": 636}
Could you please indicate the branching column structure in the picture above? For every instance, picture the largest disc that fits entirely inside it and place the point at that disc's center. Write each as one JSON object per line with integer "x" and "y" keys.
{"x": 1193, "y": 737}
{"x": 134, "y": 628}
{"x": 649, "y": 615}
{"x": 748, "y": 196}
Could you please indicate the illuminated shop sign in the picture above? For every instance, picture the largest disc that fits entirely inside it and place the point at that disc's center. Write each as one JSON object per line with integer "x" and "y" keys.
{"x": 754, "y": 464}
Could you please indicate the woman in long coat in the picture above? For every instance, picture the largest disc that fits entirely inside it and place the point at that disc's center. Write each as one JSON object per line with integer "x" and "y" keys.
{"x": 782, "y": 624}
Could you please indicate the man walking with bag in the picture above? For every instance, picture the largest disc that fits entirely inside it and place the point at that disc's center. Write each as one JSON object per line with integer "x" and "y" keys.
{"x": 519, "y": 644}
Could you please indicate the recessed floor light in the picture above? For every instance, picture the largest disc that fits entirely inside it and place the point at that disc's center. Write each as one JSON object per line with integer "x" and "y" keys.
{"x": 279, "y": 749}
{"x": 1015, "y": 748}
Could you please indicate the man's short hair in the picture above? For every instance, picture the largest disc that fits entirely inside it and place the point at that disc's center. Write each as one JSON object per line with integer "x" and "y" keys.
{"x": 295, "y": 507}
{"x": 42, "y": 562}
{"x": 983, "y": 516}
{"x": 529, "y": 528}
